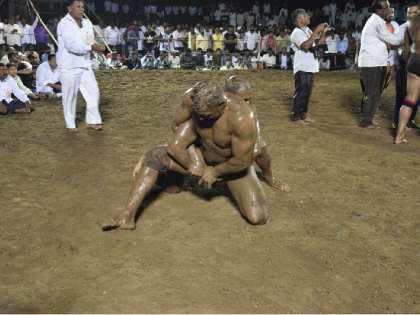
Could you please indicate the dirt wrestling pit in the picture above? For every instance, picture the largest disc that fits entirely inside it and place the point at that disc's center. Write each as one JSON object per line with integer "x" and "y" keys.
{"x": 344, "y": 240}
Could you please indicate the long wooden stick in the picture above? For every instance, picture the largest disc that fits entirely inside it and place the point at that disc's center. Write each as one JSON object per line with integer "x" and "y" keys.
{"x": 106, "y": 45}
{"x": 42, "y": 22}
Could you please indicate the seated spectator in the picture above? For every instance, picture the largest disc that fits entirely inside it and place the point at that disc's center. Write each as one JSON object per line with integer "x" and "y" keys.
{"x": 48, "y": 78}
{"x": 44, "y": 57}
{"x": 269, "y": 59}
{"x": 199, "y": 59}
{"x": 30, "y": 50}
{"x": 33, "y": 62}
{"x": 115, "y": 62}
{"x": 5, "y": 60}
{"x": 228, "y": 66}
{"x": 160, "y": 62}
{"x": 208, "y": 56}
{"x": 324, "y": 63}
{"x": 7, "y": 105}
{"x": 247, "y": 59}
{"x": 241, "y": 65}
{"x": 187, "y": 62}
{"x": 148, "y": 63}
{"x": 94, "y": 62}
{"x": 175, "y": 60}
{"x": 133, "y": 62}
{"x": 236, "y": 56}
{"x": 284, "y": 59}
{"x": 12, "y": 71}
{"x": 227, "y": 56}
{"x": 143, "y": 60}
{"x": 217, "y": 59}
{"x": 209, "y": 66}
{"x": 23, "y": 71}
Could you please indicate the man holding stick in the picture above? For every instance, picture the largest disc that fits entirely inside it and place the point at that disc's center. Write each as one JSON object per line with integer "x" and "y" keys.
{"x": 76, "y": 41}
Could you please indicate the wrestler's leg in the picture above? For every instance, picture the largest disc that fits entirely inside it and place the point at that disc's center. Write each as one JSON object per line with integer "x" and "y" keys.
{"x": 264, "y": 162}
{"x": 155, "y": 160}
{"x": 413, "y": 93}
{"x": 249, "y": 195}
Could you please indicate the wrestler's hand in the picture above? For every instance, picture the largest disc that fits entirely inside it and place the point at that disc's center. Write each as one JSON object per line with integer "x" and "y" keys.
{"x": 392, "y": 70}
{"x": 209, "y": 177}
{"x": 98, "y": 47}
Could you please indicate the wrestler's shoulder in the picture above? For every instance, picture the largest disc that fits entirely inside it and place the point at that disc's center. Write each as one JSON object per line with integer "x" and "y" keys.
{"x": 237, "y": 105}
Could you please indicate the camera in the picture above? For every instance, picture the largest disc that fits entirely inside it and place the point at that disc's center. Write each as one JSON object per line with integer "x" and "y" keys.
{"x": 316, "y": 50}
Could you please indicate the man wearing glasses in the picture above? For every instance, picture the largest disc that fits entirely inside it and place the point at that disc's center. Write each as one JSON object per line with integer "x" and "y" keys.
{"x": 373, "y": 60}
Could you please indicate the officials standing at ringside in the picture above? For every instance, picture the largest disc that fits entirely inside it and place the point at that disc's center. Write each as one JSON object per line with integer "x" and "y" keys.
{"x": 76, "y": 41}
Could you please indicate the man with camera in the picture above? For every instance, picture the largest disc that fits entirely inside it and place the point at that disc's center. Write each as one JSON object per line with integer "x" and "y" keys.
{"x": 305, "y": 63}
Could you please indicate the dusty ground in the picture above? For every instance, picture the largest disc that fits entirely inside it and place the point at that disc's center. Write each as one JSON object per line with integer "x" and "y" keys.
{"x": 345, "y": 240}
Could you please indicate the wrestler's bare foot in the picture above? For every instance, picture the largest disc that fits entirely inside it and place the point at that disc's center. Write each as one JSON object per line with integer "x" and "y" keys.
{"x": 94, "y": 127}
{"x": 309, "y": 120}
{"x": 300, "y": 122}
{"x": 271, "y": 181}
{"x": 122, "y": 221}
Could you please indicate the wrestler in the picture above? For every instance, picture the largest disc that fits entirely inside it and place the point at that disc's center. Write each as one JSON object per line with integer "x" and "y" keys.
{"x": 412, "y": 59}
{"x": 228, "y": 135}
{"x": 182, "y": 120}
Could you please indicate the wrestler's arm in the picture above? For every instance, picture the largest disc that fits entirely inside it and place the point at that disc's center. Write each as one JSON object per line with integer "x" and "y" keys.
{"x": 183, "y": 137}
{"x": 182, "y": 112}
{"x": 242, "y": 144}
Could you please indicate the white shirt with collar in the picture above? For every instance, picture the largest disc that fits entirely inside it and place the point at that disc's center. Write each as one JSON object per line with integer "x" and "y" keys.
{"x": 28, "y": 32}
{"x": 112, "y": 35}
{"x": 252, "y": 40}
{"x": 286, "y": 12}
{"x": 73, "y": 51}
{"x": 304, "y": 60}
{"x": 270, "y": 61}
{"x": 400, "y": 31}
{"x": 13, "y": 39}
{"x": 101, "y": 32}
{"x": 1, "y": 33}
{"x": 332, "y": 43}
{"x": 375, "y": 36}
{"x": 9, "y": 86}
{"x": 45, "y": 75}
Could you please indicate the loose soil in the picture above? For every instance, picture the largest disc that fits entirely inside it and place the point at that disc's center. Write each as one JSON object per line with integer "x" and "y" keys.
{"x": 344, "y": 240}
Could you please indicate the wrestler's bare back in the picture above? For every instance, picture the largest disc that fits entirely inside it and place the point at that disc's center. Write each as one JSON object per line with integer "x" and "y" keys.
{"x": 413, "y": 29}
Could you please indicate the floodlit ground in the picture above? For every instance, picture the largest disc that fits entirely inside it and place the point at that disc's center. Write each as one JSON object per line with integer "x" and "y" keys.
{"x": 344, "y": 240}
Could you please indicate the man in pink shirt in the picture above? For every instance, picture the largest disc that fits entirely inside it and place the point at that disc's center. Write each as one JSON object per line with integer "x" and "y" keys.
{"x": 177, "y": 34}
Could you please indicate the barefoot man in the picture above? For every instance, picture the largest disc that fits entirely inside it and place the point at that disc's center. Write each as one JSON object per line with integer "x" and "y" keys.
{"x": 412, "y": 58}
{"x": 76, "y": 40}
{"x": 228, "y": 134}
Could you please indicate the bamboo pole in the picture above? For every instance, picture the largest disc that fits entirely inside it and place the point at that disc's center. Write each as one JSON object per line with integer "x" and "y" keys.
{"x": 43, "y": 22}
{"x": 99, "y": 19}
{"x": 106, "y": 45}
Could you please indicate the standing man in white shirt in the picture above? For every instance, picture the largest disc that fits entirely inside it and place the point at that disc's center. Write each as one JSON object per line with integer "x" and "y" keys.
{"x": 284, "y": 9}
{"x": 28, "y": 32}
{"x": 252, "y": 38}
{"x": 108, "y": 5}
{"x": 73, "y": 59}
{"x": 13, "y": 33}
{"x": 112, "y": 35}
{"x": 101, "y": 30}
{"x": 373, "y": 60}
{"x": 333, "y": 7}
{"x": 305, "y": 63}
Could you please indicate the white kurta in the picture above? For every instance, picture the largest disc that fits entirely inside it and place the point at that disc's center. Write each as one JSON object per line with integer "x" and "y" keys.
{"x": 74, "y": 64}
{"x": 45, "y": 75}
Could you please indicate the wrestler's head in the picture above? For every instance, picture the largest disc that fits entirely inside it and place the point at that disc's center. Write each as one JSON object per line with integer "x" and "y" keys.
{"x": 208, "y": 100}
{"x": 239, "y": 86}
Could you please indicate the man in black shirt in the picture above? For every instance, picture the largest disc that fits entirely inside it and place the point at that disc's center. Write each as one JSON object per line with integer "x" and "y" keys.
{"x": 230, "y": 39}
{"x": 199, "y": 59}
{"x": 149, "y": 39}
{"x": 187, "y": 61}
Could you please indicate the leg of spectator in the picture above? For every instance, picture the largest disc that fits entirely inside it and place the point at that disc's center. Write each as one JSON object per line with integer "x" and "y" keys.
{"x": 300, "y": 98}
{"x": 371, "y": 77}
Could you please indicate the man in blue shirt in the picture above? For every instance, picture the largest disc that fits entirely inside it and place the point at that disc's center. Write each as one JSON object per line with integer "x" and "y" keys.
{"x": 342, "y": 45}
{"x": 160, "y": 62}
{"x": 227, "y": 56}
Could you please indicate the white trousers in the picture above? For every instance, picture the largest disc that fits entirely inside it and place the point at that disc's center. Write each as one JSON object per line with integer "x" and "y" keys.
{"x": 71, "y": 81}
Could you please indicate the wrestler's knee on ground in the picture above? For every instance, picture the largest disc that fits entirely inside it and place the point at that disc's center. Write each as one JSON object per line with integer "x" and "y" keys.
{"x": 258, "y": 214}
{"x": 157, "y": 158}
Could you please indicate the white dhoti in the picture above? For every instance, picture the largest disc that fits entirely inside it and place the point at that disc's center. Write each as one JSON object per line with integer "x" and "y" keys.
{"x": 71, "y": 81}
{"x": 48, "y": 90}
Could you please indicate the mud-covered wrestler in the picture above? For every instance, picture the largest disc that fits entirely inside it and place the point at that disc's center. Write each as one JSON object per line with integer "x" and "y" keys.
{"x": 228, "y": 135}
{"x": 412, "y": 59}
{"x": 177, "y": 148}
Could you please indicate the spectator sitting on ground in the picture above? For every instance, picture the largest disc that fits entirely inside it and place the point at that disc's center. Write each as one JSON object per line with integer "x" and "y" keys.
{"x": 209, "y": 65}
{"x": 247, "y": 59}
{"x": 227, "y": 56}
{"x": 133, "y": 62}
{"x": 7, "y": 105}
{"x": 236, "y": 56}
{"x": 160, "y": 62}
{"x": 12, "y": 71}
{"x": 217, "y": 59}
{"x": 241, "y": 65}
{"x": 33, "y": 62}
{"x": 143, "y": 60}
{"x": 148, "y": 64}
{"x": 269, "y": 59}
{"x": 199, "y": 59}
{"x": 208, "y": 56}
{"x": 5, "y": 60}
{"x": 30, "y": 50}
{"x": 48, "y": 78}
{"x": 187, "y": 62}
{"x": 115, "y": 62}
{"x": 228, "y": 66}
{"x": 94, "y": 62}
{"x": 175, "y": 60}
{"x": 324, "y": 63}
{"x": 23, "y": 71}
